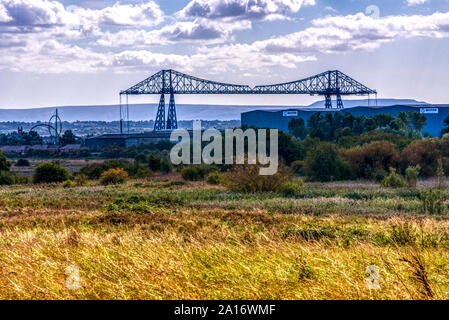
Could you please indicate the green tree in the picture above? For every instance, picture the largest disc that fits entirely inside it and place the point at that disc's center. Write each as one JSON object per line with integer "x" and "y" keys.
{"x": 323, "y": 163}
{"x": 68, "y": 138}
{"x": 290, "y": 149}
{"x": 49, "y": 172}
{"x": 154, "y": 162}
{"x": 446, "y": 126}
{"x": 417, "y": 120}
{"x": 5, "y": 164}
{"x": 297, "y": 128}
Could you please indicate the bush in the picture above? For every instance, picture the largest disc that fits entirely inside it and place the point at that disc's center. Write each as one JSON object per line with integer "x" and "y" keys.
{"x": 21, "y": 179}
{"x": 49, "y": 172}
{"x": 394, "y": 180}
{"x": 6, "y": 178}
{"x": 213, "y": 178}
{"x": 68, "y": 184}
{"x": 81, "y": 180}
{"x": 114, "y": 176}
{"x": 379, "y": 175}
{"x": 154, "y": 162}
{"x": 166, "y": 166}
{"x": 5, "y": 164}
{"x": 246, "y": 178}
{"x": 297, "y": 166}
{"x": 92, "y": 171}
{"x": 22, "y": 163}
{"x": 141, "y": 157}
{"x": 190, "y": 174}
{"x": 324, "y": 164}
{"x": 432, "y": 201}
{"x": 143, "y": 172}
{"x": 196, "y": 172}
{"x": 412, "y": 174}
{"x": 424, "y": 153}
{"x": 291, "y": 188}
{"x": 369, "y": 158}
{"x": 441, "y": 174}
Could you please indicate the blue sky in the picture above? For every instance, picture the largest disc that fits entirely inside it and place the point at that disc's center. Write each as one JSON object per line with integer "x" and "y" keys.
{"x": 84, "y": 52}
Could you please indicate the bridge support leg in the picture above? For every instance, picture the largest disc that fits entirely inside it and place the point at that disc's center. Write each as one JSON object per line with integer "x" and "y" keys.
{"x": 160, "y": 118}
{"x": 172, "y": 122}
{"x": 339, "y": 102}
{"x": 328, "y": 102}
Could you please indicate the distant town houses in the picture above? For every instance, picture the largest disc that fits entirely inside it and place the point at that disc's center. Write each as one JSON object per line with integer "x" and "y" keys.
{"x": 43, "y": 147}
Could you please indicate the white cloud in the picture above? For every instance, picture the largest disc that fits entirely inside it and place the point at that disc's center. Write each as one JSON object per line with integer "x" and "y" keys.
{"x": 143, "y": 15}
{"x": 47, "y": 14}
{"x": 355, "y": 32}
{"x": 200, "y": 30}
{"x": 46, "y": 49}
{"x": 242, "y": 9}
{"x": 416, "y": 2}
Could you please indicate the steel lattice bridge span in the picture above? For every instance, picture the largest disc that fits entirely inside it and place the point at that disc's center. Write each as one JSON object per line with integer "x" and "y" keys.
{"x": 327, "y": 84}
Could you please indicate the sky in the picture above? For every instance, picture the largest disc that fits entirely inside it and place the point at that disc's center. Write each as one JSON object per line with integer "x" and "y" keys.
{"x": 67, "y": 52}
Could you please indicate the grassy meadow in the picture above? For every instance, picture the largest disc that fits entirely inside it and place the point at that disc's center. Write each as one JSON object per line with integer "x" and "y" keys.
{"x": 168, "y": 239}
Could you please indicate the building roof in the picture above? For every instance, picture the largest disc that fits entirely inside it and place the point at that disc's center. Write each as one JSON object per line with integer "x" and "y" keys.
{"x": 15, "y": 149}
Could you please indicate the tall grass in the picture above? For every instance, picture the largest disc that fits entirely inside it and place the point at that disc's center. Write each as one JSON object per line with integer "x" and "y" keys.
{"x": 168, "y": 240}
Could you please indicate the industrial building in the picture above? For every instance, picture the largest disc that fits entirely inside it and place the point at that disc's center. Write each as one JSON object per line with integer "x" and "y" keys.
{"x": 279, "y": 119}
{"x": 127, "y": 140}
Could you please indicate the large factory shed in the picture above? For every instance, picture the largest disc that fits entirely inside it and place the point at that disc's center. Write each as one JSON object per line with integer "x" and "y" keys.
{"x": 127, "y": 140}
{"x": 279, "y": 119}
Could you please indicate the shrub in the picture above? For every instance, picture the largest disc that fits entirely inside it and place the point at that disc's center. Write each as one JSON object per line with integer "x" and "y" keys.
{"x": 432, "y": 201}
{"x": 297, "y": 166}
{"x": 370, "y": 158}
{"x": 22, "y": 163}
{"x": 143, "y": 172}
{"x": 68, "y": 184}
{"x": 141, "y": 157}
{"x": 190, "y": 174}
{"x": 166, "y": 166}
{"x": 6, "y": 178}
{"x": 379, "y": 175}
{"x": 246, "y": 178}
{"x": 196, "y": 172}
{"x": 213, "y": 178}
{"x": 81, "y": 180}
{"x": 92, "y": 171}
{"x": 441, "y": 175}
{"x": 424, "y": 153}
{"x": 412, "y": 174}
{"x": 114, "y": 176}
{"x": 291, "y": 188}
{"x": 324, "y": 164}
{"x": 154, "y": 162}
{"x": 394, "y": 180}
{"x": 5, "y": 164}
{"x": 49, "y": 172}
{"x": 21, "y": 179}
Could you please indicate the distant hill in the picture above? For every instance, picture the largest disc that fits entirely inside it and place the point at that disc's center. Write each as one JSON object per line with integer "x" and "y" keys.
{"x": 148, "y": 111}
{"x": 364, "y": 102}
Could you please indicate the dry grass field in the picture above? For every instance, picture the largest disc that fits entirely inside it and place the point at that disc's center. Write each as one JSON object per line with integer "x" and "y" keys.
{"x": 72, "y": 165}
{"x": 161, "y": 239}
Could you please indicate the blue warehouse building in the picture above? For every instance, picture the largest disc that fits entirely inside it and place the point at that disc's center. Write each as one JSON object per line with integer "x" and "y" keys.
{"x": 279, "y": 119}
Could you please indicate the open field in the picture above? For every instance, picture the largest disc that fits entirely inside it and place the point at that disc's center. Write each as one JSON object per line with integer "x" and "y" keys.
{"x": 72, "y": 165}
{"x": 174, "y": 240}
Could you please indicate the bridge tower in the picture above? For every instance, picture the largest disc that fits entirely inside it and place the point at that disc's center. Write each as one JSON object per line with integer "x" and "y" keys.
{"x": 160, "y": 117}
{"x": 172, "y": 122}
